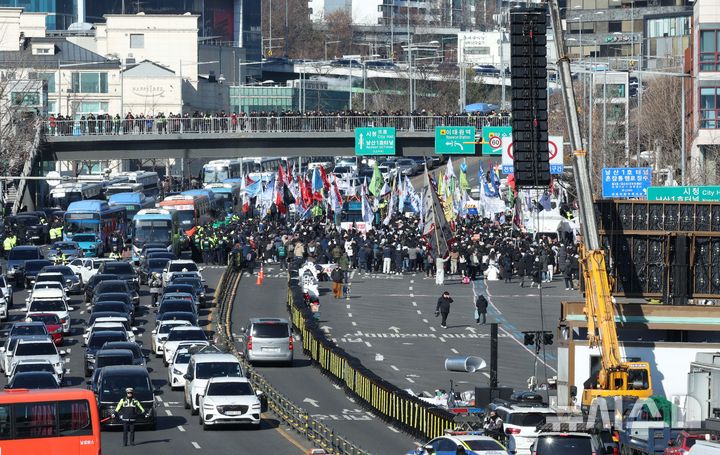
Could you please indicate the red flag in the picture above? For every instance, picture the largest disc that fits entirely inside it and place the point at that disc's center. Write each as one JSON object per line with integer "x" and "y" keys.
{"x": 324, "y": 177}
{"x": 281, "y": 175}
{"x": 307, "y": 191}
{"x": 289, "y": 174}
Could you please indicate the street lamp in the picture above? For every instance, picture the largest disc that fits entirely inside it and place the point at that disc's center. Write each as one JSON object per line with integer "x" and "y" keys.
{"x": 326, "y": 44}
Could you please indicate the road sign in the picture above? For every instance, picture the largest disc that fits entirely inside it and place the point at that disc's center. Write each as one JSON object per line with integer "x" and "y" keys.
{"x": 459, "y": 140}
{"x": 375, "y": 141}
{"x": 626, "y": 182}
{"x": 495, "y": 136}
{"x": 555, "y": 147}
{"x": 684, "y": 193}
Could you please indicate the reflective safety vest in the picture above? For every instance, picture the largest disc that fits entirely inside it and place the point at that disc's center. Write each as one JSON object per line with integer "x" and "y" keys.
{"x": 317, "y": 211}
{"x": 9, "y": 243}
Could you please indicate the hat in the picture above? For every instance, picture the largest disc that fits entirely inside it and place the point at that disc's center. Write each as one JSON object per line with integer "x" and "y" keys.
{"x": 129, "y": 390}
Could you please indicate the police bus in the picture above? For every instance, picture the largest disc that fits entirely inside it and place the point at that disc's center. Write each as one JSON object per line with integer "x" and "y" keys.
{"x": 155, "y": 226}
{"x": 132, "y": 201}
{"x": 94, "y": 217}
{"x": 218, "y": 170}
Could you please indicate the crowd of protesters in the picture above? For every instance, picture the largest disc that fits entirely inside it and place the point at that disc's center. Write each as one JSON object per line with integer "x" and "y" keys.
{"x": 262, "y": 121}
{"x": 481, "y": 248}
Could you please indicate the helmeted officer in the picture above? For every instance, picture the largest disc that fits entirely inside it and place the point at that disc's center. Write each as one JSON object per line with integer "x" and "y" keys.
{"x": 129, "y": 408}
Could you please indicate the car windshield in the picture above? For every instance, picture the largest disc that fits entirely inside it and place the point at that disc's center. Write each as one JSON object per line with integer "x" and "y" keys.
{"x": 109, "y": 360}
{"x": 270, "y": 330}
{"x": 47, "y": 305}
{"x": 111, "y": 287}
{"x": 26, "y": 367}
{"x": 225, "y": 389}
{"x": 166, "y": 328}
{"x": 113, "y": 387}
{"x": 47, "y": 319}
{"x": 182, "y": 358}
{"x": 527, "y": 419}
{"x": 184, "y": 266}
{"x": 84, "y": 238}
{"x": 98, "y": 339}
{"x": 483, "y": 444}
{"x": 157, "y": 264}
{"x": 137, "y": 352}
{"x": 175, "y": 306}
{"x": 564, "y": 445}
{"x": 63, "y": 270}
{"x": 23, "y": 255}
{"x": 187, "y": 289}
{"x": 118, "y": 307}
{"x": 186, "y": 335}
{"x": 35, "y": 349}
{"x": 119, "y": 268}
{"x": 29, "y": 329}
{"x": 209, "y": 370}
{"x": 53, "y": 277}
{"x": 34, "y": 381}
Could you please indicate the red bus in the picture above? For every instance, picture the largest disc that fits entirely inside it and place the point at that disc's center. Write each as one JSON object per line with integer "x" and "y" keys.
{"x": 50, "y": 422}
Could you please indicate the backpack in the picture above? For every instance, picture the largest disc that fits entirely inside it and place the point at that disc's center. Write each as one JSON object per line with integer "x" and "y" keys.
{"x": 281, "y": 251}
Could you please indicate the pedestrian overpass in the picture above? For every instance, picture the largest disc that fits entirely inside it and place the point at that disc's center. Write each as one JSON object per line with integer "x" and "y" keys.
{"x": 224, "y": 137}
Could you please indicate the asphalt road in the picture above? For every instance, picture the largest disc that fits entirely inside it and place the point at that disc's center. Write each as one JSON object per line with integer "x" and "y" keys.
{"x": 177, "y": 432}
{"x": 303, "y": 383}
{"x": 389, "y": 323}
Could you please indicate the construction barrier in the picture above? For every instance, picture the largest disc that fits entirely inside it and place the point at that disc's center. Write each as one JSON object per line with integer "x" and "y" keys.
{"x": 291, "y": 414}
{"x": 397, "y": 406}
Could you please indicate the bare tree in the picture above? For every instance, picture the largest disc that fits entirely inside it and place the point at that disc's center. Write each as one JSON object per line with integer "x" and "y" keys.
{"x": 339, "y": 24}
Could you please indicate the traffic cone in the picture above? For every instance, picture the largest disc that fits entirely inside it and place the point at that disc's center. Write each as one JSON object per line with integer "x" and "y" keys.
{"x": 261, "y": 276}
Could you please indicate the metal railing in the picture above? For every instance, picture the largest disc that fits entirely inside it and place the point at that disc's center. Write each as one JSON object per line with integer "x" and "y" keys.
{"x": 240, "y": 125}
{"x": 293, "y": 415}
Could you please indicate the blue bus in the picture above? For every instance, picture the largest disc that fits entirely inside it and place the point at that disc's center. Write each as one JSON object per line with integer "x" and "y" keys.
{"x": 227, "y": 194}
{"x": 94, "y": 217}
{"x": 133, "y": 202}
{"x": 155, "y": 226}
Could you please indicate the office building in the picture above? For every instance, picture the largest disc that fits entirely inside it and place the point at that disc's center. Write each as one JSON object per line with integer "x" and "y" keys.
{"x": 702, "y": 90}
{"x": 60, "y": 13}
{"x": 628, "y": 34}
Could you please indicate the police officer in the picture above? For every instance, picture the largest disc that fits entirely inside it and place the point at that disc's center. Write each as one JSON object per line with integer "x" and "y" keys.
{"x": 205, "y": 247}
{"x": 115, "y": 255}
{"x": 129, "y": 409}
{"x": 59, "y": 256}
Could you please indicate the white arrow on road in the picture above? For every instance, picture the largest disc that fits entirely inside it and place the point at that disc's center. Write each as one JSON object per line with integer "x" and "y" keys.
{"x": 311, "y": 401}
{"x": 326, "y": 328}
{"x": 394, "y": 329}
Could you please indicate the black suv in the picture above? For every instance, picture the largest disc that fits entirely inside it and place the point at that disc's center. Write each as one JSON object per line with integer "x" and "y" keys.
{"x": 124, "y": 271}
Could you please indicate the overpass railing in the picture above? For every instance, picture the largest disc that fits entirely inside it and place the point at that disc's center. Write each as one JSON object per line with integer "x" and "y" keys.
{"x": 238, "y": 125}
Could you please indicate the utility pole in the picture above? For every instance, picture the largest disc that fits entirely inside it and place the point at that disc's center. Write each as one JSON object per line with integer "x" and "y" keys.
{"x": 286, "y": 28}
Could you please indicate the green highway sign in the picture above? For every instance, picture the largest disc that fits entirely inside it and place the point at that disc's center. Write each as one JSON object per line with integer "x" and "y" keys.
{"x": 684, "y": 193}
{"x": 493, "y": 138}
{"x": 375, "y": 141}
{"x": 459, "y": 140}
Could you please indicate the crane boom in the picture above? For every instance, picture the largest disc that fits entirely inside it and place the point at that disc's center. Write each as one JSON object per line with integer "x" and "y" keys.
{"x": 616, "y": 377}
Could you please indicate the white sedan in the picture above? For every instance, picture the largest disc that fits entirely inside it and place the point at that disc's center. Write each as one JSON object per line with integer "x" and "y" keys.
{"x": 160, "y": 334}
{"x": 177, "y": 368}
{"x": 227, "y": 400}
{"x": 179, "y": 335}
{"x": 466, "y": 442}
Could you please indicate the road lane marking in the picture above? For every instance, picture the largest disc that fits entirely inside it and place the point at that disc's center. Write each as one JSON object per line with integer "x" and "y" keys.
{"x": 433, "y": 329}
{"x": 410, "y": 380}
{"x": 168, "y": 412}
{"x": 425, "y": 321}
{"x": 83, "y": 312}
{"x": 347, "y": 306}
{"x": 419, "y": 312}
{"x": 180, "y": 427}
{"x": 354, "y": 323}
{"x": 367, "y": 343}
{"x": 159, "y": 398}
{"x": 349, "y": 315}
{"x": 486, "y": 374}
{"x": 195, "y": 444}
{"x": 291, "y": 439}
{"x": 394, "y": 368}
{"x": 454, "y": 351}
{"x": 412, "y": 281}
{"x": 414, "y": 304}
{"x": 410, "y": 288}
{"x": 393, "y": 429}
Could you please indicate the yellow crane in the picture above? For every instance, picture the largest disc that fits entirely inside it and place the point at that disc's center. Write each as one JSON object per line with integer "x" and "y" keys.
{"x": 616, "y": 377}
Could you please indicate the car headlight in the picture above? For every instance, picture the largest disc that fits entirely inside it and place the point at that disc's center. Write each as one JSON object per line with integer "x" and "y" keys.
{"x": 176, "y": 371}
{"x": 256, "y": 406}
{"x": 208, "y": 406}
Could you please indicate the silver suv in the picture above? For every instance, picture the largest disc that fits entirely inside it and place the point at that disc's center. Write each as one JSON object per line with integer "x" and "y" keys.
{"x": 521, "y": 418}
{"x": 268, "y": 340}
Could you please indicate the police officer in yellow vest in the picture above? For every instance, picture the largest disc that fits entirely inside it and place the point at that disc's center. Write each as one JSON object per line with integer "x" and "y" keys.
{"x": 316, "y": 211}
{"x": 129, "y": 408}
{"x": 9, "y": 242}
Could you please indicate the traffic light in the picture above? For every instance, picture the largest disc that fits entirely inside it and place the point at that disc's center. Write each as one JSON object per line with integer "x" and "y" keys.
{"x": 529, "y": 338}
{"x": 528, "y": 64}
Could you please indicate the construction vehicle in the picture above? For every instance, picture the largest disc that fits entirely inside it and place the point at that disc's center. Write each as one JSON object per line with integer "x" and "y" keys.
{"x": 616, "y": 377}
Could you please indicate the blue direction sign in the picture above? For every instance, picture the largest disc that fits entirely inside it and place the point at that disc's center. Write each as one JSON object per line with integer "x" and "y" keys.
{"x": 626, "y": 182}
{"x": 375, "y": 141}
{"x": 458, "y": 140}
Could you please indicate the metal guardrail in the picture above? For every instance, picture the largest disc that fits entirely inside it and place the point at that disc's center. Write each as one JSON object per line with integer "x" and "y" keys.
{"x": 293, "y": 415}
{"x": 241, "y": 125}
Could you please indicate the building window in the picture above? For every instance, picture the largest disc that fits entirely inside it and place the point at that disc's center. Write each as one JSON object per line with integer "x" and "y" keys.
{"x": 25, "y": 99}
{"x": 137, "y": 41}
{"x": 50, "y": 79}
{"x": 91, "y": 82}
{"x": 92, "y": 107}
{"x": 709, "y": 50}
{"x": 710, "y": 107}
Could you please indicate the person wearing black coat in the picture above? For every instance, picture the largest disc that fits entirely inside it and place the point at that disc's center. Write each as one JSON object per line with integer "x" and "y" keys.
{"x": 481, "y": 305}
{"x": 443, "y": 308}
